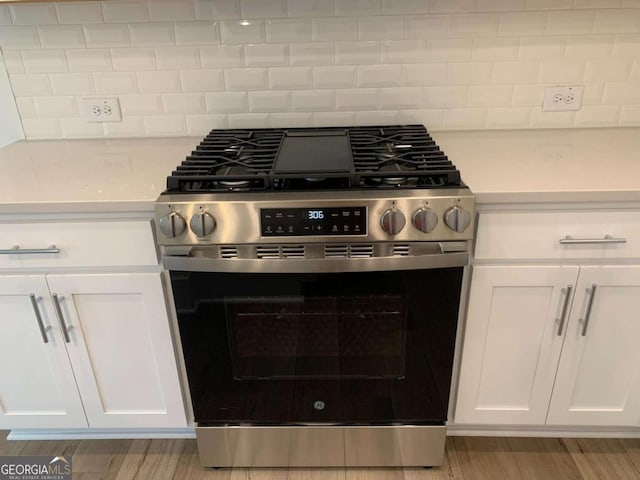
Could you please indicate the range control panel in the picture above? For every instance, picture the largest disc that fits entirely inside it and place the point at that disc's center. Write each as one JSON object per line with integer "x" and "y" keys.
{"x": 284, "y": 222}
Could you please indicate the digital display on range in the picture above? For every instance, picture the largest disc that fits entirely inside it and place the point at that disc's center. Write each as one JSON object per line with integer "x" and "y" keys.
{"x": 313, "y": 221}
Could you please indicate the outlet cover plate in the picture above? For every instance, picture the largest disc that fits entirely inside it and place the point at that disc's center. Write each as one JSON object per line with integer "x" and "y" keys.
{"x": 563, "y": 98}
{"x": 100, "y": 109}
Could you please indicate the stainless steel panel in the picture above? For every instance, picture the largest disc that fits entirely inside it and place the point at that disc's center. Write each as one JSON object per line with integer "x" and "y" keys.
{"x": 321, "y": 446}
{"x": 237, "y": 215}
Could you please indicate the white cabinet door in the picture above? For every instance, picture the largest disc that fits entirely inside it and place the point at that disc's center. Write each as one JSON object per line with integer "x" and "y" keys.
{"x": 598, "y": 381}
{"x": 511, "y": 343}
{"x": 121, "y": 349}
{"x": 37, "y": 388}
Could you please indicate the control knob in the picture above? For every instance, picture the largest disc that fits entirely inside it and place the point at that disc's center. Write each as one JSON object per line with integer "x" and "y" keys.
{"x": 424, "y": 219}
{"x": 392, "y": 221}
{"x": 202, "y": 224}
{"x": 457, "y": 219}
{"x": 172, "y": 225}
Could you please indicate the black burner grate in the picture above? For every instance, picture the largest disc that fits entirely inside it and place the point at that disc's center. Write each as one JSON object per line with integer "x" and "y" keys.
{"x": 397, "y": 156}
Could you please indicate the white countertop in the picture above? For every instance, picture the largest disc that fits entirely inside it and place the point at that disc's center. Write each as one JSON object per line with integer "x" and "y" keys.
{"x": 512, "y": 166}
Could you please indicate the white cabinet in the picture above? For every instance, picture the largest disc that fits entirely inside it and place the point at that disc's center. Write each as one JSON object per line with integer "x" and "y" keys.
{"x": 553, "y": 343}
{"x": 95, "y": 350}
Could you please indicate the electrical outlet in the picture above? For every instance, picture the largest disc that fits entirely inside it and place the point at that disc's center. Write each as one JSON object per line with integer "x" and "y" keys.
{"x": 98, "y": 110}
{"x": 562, "y": 98}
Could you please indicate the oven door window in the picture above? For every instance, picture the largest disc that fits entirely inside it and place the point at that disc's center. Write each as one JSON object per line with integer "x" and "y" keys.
{"x": 349, "y": 348}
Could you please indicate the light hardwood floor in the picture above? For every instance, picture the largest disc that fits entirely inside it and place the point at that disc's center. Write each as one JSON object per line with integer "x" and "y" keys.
{"x": 467, "y": 458}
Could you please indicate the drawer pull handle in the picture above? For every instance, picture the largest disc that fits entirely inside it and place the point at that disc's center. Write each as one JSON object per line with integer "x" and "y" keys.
{"x": 569, "y": 240}
{"x": 16, "y": 250}
{"x": 565, "y": 307}
{"x": 585, "y": 322}
{"x": 63, "y": 325}
{"x": 36, "y": 311}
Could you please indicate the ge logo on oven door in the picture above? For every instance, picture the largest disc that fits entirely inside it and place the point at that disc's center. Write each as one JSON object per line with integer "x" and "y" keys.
{"x": 318, "y": 405}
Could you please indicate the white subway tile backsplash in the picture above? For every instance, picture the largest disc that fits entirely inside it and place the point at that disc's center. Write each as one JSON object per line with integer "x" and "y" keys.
{"x": 404, "y": 51}
{"x": 556, "y": 71}
{"x": 540, "y": 119}
{"x": 450, "y": 50}
{"x": 570, "y": 22}
{"x": 597, "y": 116}
{"x": 218, "y": 9}
{"x": 266, "y": 55}
{"x": 357, "y": 99}
{"x": 331, "y": 119}
{"x": 284, "y": 120}
{"x": 41, "y": 128}
{"x": 469, "y": 73}
{"x": 44, "y": 61}
{"x": 107, "y": 35}
{"x": 132, "y": 59}
{"x": 593, "y": 93}
{"x": 219, "y": 56}
{"x": 332, "y": 29}
{"x": 596, "y": 3}
{"x": 546, "y": 48}
{"x": 266, "y": 102}
{"x": 424, "y": 74}
{"x": 171, "y": 10}
{"x": 33, "y": 14}
{"x": 380, "y": 28}
{"x": 508, "y": 117}
{"x": 248, "y": 120}
{"x": 30, "y": 85}
{"x": 427, "y": 26}
{"x": 263, "y": 8}
{"x": 290, "y": 30}
{"x": 14, "y": 37}
{"x": 379, "y": 75}
{"x": 128, "y": 127}
{"x": 78, "y": 13}
{"x": 196, "y": 33}
{"x": 312, "y": 100}
{"x": 404, "y": 7}
{"x": 140, "y": 104}
{"x": 490, "y": 95}
{"x": 388, "y": 117}
{"x": 432, "y": 118}
{"x": 522, "y": 23}
{"x": 334, "y": 77}
{"x": 476, "y": 25}
{"x": 125, "y": 11}
{"x": 80, "y": 128}
{"x": 630, "y": 115}
{"x": 445, "y": 97}
{"x": 13, "y": 61}
{"x": 56, "y": 107}
{"x": 618, "y": 21}
{"x": 504, "y": 48}
{"x": 626, "y": 45}
{"x": 242, "y": 31}
{"x": 159, "y": 82}
{"x": 465, "y": 118}
{"x": 346, "y": 8}
{"x": 357, "y": 52}
{"x": 311, "y": 53}
{"x": 61, "y": 36}
{"x": 607, "y": 70}
{"x": 5, "y": 15}
{"x": 227, "y": 102}
{"x": 289, "y": 78}
{"x": 246, "y": 79}
{"x": 183, "y": 103}
{"x": 201, "y": 125}
{"x": 26, "y": 107}
{"x": 528, "y": 95}
{"x": 500, "y": 5}
{"x": 311, "y": 8}
{"x": 589, "y": 46}
{"x": 163, "y": 125}
{"x": 177, "y": 58}
{"x": 401, "y": 98}
{"x": 115, "y": 83}
{"x": 451, "y": 6}
{"x": 202, "y": 80}
{"x": 72, "y": 83}
{"x": 515, "y": 72}
{"x": 152, "y": 34}
{"x": 621, "y": 93}
{"x": 635, "y": 71}
{"x": 548, "y": 4}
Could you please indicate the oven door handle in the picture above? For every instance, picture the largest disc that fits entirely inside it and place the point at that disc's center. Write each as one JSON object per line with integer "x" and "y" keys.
{"x": 322, "y": 265}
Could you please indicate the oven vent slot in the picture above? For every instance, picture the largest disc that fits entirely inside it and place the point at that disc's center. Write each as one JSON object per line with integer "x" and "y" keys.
{"x": 293, "y": 251}
{"x": 269, "y": 251}
{"x": 361, "y": 251}
{"x": 401, "y": 250}
{"x": 230, "y": 251}
{"x": 336, "y": 251}
{"x": 348, "y": 251}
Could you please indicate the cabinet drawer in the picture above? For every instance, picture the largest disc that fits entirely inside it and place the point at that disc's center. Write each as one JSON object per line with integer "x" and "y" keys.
{"x": 537, "y": 235}
{"x": 81, "y": 244}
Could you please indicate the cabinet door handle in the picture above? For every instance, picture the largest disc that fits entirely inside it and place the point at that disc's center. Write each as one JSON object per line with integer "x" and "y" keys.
{"x": 16, "y": 250}
{"x": 587, "y": 315}
{"x": 36, "y": 311}
{"x": 63, "y": 325}
{"x": 565, "y": 307}
{"x": 569, "y": 240}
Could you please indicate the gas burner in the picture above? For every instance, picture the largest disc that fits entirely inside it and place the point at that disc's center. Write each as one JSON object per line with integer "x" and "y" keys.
{"x": 402, "y": 179}
{"x": 314, "y": 180}
{"x": 233, "y": 171}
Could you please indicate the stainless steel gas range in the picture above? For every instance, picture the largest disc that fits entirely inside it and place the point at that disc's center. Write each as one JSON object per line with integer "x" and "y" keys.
{"x": 317, "y": 275}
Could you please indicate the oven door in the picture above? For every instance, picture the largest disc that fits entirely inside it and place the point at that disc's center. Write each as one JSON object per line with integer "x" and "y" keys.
{"x": 343, "y": 348}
